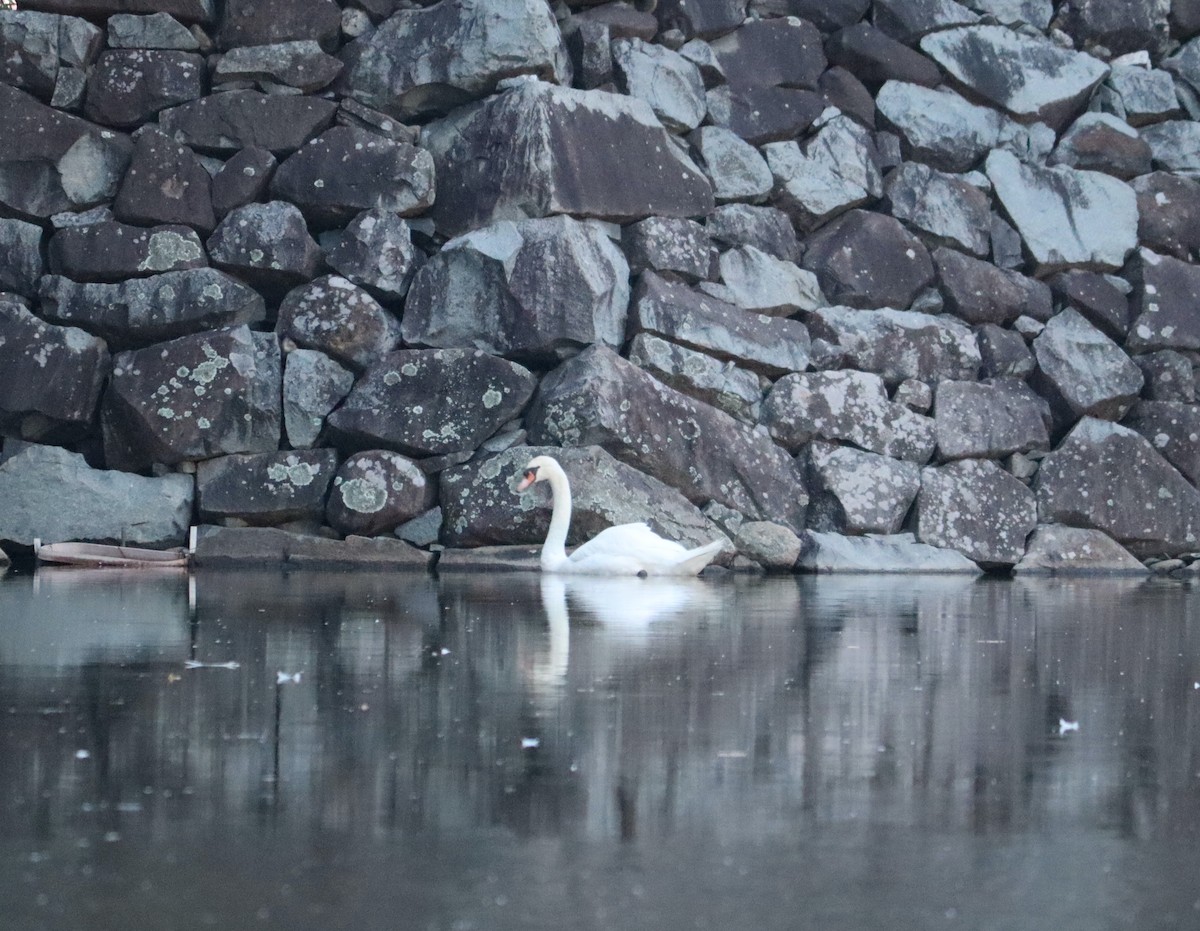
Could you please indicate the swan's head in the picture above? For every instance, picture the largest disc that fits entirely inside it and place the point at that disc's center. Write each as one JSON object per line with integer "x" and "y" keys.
{"x": 536, "y": 470}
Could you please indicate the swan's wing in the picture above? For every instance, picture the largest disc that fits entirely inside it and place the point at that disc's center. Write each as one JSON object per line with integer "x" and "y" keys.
{"x": 629, "y": 541}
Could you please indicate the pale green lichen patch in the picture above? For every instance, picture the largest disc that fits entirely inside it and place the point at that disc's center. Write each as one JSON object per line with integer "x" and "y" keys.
{"x": 292, "y": 472}
{"x": 491, "y": 398}
{"x": 362, "y": 495}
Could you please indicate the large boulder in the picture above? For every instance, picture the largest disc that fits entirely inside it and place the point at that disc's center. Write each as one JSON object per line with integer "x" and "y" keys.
{"x": 187, "y": 11}
{"x": 979, "y": 292}
{"x": 1102, "y": 142}
{"x": 195, "y": 397}
{"x": 35, "y": 47}
{"x": 340, "y": 319}
{"x": 763, "y": 284}
{"x": 940, "y": 207}
{"x": 537, "y": 149}
{"x": 221, "y": 124}
{"x": 481, "y": 505}
{"x": 875, "y": 57}
{"x": 537, "y": 290}
{"x": 734, "y": 167}
{"x": 376, "y": 252}
{"x": 263, "y": 22}
{"x": 1096, "y": 297}
{"x": 267, "y": 245}
{"x": 1163, "y": 303}
{"x": 153, "y": 30}
{"x": 300, "y": 64}
{"x": 1056, "y": 549}
{"x": 784, "y": 52}
{"x": 112, "y": 252}
{"x": 672, "y": 246}
{"x": 989, "y": 420}
{"x": 428, "y": 61}
{"x": 1082, "y": 372}
{"x": 765, "y": 228}
{"x": 1117, "y": 26}
{"x": 669, "y": 83}
{"x": 166, "y": 183}
{"x": 127, "y": 87}
{"x": 762, "y": 113}
{"x": 243, "y": 178}
{"x": 599, "y": 398}
{"x": 24, "y": 257}
{"x": 265, "y": 488}
{"x": 1168, "y": 213}
{"x": 1174, "y": 145}
{"x": 721, "y": 384}
{"x": 431, "y": 402}
{"x": 313, "y": 385}
{"x": 1111, "y": 478}
{"x": 141, "y": 311}
{"x": 376, "y": 491}
{"x": 51, "y": 494}
{"x": 1173, "y": 428}
{"x": 854, "y": 491}
{"x": 889, "y": 553}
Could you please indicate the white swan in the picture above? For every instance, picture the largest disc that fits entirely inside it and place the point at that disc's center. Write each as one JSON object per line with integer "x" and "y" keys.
{"x": 628, "y": 549}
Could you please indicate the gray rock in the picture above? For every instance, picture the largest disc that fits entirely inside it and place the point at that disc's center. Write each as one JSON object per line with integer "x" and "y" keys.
{"x": 156, "y": 30}
{"x": 771, "y": 346}
{"x": 1111, "y": 478}
{"x": 24, "y": 257}
{"x": 166, "y": 183}
{"x": 431, "y": 402}
{"x": 1169, "y": 376}
{"x": 239, "y": 547}
{"x": 302, "y": 65}
{"x": 1035, "y": 13}
{"x": 765, "y": 228}
{"x": 140, "y": 311}
{"x": 1174, "y": 145}
{"x": 244, "y": 178}
{"x": 1096, "y": 298}
{"x": 831, "y": 173}
{"x": 340, "y": 319}
{"x": 264, "y": 22}
{"x": 868, "y": 260}
{"x": 938, "y": 127}
{"x": 989, "y": 420}
{"x": 721, "y": 384}
{"x": 1173, "y": 429}
{"x": 915, "y": 395}
{"x": 1163, "y": 303}
{"x": 763, "y": 284}
{"x": 51, "y": 494}
{"x": 533, "y": 289}
{"x": 1056, "y": 549}
{"x": 669, "y": 83}
{"x": 1003, "y": 353}
{"x": 1027, "y": 76}
{"x": 943, "y": 208}
{"x": 600, "y": 398}
{"x": 896, "y": 553}
{"x": 897, "y": 344}
{"x": 51, "y": 372}
{"x": 221, "y": 124}
{"x": 112, "y": 251}
{"x": 762, "y": 113}
{"x": 670, "y": 245}
{"x": 51, "y": 162}
{"x": 977, "y": 508}
{"x": 187, "y": 11}
{"x": 771, "y": 545}
{"x": 978, "y": 292}
{"x": 1066, "y": 217}
{"x": 345, "y": 171}
{"x": 909, "y": 20}
{"x": 35, "y": 47}
{"x": 1102, "y": 142}
{"x": 845, "y": 406}
{"x": 1168, "y": 213}
{"x": 875, "y": 57}
{"x": 481, "y": 506}
{"x": 195, "y": 397}
{"x": 1082, "y": 372}
{"x": 856, "y": 492}
{"x": 1142, "y": 95}
{"x": 376, "y": 491}
{"x": 537, "y": 149}
{"x": 735, "y": 168}
{"x": 1118, "y": 27}
{"x": 422, "y": 530}
{"x": 268, "y": 245}
{"x": 265, "y": 488}
{"x": 375, "y": 251}
{"x": 127, "y": 87}
{"x": 313, "y": 385}
{"x": 422, "y": 62}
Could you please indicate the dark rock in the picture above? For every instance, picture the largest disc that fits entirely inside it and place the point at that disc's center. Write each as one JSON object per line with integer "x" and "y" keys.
{"x": 243, "y": 180}
{"x": 894, "y": 553}
{"x": 765, "y": 228}
{"x": 868, "y": 260}
{"x": 1169, "y": 376}
{"x": 1185, "y": 18}
{"x": 1173, "y": 429}
{"x": 772, "y": 53}
{"x": 127, "y": 87}
{"x": 703, "y": 18}
{"x": 857, "y": 492}
{"x": 589, "y": 46}
{"x": 623, "y": 20}
{"x": 195, "y": 397}
{"x": 1101, "y": 142}
{"x": 112, "y": 251}
{"x": 600, "y": 398}
{"x": 761, "y": 113}
{"x": 165, "y": 184}
{"x": 240, "y": 547}
{"x": 141, "y": 311}
{"x": 979, "y": 292}
{"x": 846, "y": 406}
{"x": 345, "y": 171}
{"x": 313, "y": 385}
{"x": 35, "y": 47}
{"x": 1003, "y": 352}
{"x": 1111, "y": 478}
{"x": 429, "y": 402}
{"x": 840, "y": 88}
{"x": 340, "y": 319}
{"x": 359, "y": 116}
{"x": 829, "y": 15}
{"x": 54, "y": 372}
{"x": 51, "y": 494}
{"x": 1168, "y": 213}
{"x": 265, "y": 22}
{"x": 424, "y": 62}
{"x": 24, "y": 257}
{"x": 943, "y": 208}
{"x": 265, "y": 488}
{"x": 908, "y": 20}
{"x": 268, "y": 245}
{"x": 670, "y": 246}
{"x": 875, "y": 57}
{"x": 669, "y": 84}
{"x": 696, "y": 374}
{"x": 1163, "y": 303}
{"x": 188, "y": 11}
{"x": 51, "y": 162}
{"x": 535, "y": 289}
{"x": 899, "y": 344}
{"x": 375, "y": 251}
{"x": 1097, "y": 298}
{"x": 1056, "y": 549}
{"x": 1117, "y": 26}
{"x": 157, "y": 30}
{"x": 377, "y": 491}
{"x": 224, "y": 123}
{"x": 481, "y": 506}
{"x": 299, "y": 64}
{"x": 977, "y": 508}
{"x": 537, "y": 150}
{"x": 772, "y": 346}
{"x": 989, "y": 420}
{"x": 1082, "y": 372}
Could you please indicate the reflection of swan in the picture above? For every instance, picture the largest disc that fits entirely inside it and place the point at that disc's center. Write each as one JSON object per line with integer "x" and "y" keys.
{"x": 628, "y": 549}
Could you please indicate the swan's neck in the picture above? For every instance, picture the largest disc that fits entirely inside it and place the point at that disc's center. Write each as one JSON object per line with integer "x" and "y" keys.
{"x": 554, "y": 550}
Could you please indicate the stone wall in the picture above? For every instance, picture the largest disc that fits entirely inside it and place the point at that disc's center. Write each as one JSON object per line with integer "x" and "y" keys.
{"x": 762, "y": 268}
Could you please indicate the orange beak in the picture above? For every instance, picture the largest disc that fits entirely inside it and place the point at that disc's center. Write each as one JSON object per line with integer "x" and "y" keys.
{"x": 524, "y": 483}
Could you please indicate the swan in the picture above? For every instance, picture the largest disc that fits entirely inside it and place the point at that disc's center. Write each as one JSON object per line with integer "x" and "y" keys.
{"x": 627, "y": 549}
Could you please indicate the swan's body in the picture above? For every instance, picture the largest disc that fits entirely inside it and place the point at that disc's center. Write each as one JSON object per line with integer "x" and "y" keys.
{"x": 628, "y": 549}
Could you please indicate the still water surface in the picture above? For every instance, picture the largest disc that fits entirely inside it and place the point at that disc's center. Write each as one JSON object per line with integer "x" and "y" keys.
{"x": 324, "y": 751}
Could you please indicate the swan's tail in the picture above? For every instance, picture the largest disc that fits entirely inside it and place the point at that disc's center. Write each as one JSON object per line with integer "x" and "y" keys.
{"x": 695, "y": 560}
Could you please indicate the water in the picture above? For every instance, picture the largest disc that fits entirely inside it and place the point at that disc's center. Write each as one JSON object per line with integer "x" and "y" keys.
{"x": 497, "y": 752}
